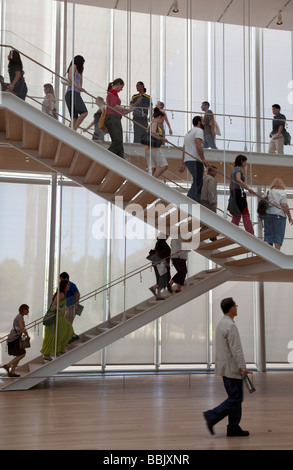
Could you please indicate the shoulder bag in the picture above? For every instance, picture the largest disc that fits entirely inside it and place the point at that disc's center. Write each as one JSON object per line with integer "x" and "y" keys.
{"x": 49, "y": 318}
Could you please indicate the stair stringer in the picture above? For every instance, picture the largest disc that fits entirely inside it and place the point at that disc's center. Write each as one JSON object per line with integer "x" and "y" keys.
{"x": 76, "y": 352}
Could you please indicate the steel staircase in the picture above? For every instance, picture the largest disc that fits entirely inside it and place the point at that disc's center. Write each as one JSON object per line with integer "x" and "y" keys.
{"x": 114, "y": 329}
{"x": 239, "y": 255}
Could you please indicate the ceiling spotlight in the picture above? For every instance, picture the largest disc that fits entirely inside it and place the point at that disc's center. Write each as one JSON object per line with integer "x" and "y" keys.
{"x": 279, "y": 19}
{"x": 175, "y": 7}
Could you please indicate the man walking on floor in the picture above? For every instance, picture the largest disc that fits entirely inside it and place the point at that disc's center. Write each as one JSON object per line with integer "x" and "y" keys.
{"x": 230, "y": 364}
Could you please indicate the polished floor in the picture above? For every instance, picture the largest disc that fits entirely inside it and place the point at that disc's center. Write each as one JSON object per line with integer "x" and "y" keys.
{"x": 146, "y": 412}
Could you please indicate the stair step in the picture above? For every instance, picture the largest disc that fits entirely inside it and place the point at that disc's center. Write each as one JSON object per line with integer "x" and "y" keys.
{"x": 80, "y": 165}
{"x": 14, "y": 126}
{"x": 112, "y": 182}
{"x": 35, "y": 365}
{"x": 2, "y": 120}
{"x": 208, "y": 233}
{"x": 95, "y": 174}
{"x": 230, "y": 253}
{"x": 131, "y": 315}
{"x": 245, "y": 261}
{"x": 145, "y": 198}
{"x": 220, "y": 243}
{"x": 48, "y": 146}
{"x": 30, "y": 136}
{"x": 64, "y": 155}
{"x": 128, "y": 191}
{"x": 115, "y": 322}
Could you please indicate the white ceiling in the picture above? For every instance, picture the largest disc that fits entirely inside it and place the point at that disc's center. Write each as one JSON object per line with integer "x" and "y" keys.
{"x": 258, "y": 13}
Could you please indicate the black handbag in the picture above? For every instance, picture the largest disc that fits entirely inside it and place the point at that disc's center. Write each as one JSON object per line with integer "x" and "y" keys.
{"x": 150, "y": 141}
{"x": 263, "y": 205}
{"x": 232, "y": 206}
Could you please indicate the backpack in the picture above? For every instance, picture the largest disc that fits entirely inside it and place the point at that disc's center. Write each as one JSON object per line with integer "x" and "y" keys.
{"x": 287, "y": 137}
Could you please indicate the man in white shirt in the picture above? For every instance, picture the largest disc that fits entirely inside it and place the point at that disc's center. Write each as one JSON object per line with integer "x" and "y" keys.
{"x": 230, "y": 364}
{"x": 193, "y": 158}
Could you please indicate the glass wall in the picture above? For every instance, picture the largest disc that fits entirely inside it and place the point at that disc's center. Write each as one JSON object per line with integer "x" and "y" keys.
{"x": 182, "y": 63}
{"x": 23, "y": 253}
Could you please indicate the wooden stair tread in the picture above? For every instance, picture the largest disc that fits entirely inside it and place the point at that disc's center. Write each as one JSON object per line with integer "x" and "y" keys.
{"x": 208, "y": 233}
{"x": 95, "y": 174}
{"x": 246, "y": 261}
{"x": 30, "y": 136}
{"x": 14, "y": 126}
{"x": 111, "y": 183}
{"x": 220, "y": 243}
{"x": 230, "y": 253}
{"x": 2, "y": 120}
{"x": 145, "y": 198}
{"x": 128, "y": 191}
{"x": 48, "y": 146}
{"x": 64, "y": 155}
{"x": 80, "y": 165}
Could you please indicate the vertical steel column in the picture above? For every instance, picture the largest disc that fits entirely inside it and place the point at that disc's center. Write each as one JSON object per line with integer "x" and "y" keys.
{"x": 2, "y": 36}
{"x": 72, "y": 69}
{"x": 57, "y": 53}
{"x": 257, "y": 91}
{"x": 51, "y": 262}
{"x": 259, "y": 314}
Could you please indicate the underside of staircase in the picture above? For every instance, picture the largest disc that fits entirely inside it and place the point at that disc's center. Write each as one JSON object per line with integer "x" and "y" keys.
{"x": 239, "y": 255}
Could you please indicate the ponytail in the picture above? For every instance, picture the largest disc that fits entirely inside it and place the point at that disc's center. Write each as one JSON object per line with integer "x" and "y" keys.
{"x": 110, "y": 86}
{"x": 115, "y": 82}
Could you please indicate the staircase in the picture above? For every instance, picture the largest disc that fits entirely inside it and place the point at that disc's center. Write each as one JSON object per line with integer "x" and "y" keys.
{"x": 238, "y": 254}
{"x": 114, "y": 329}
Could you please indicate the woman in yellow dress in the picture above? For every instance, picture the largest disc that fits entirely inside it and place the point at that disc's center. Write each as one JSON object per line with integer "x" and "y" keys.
{"x": 64, "y": 329}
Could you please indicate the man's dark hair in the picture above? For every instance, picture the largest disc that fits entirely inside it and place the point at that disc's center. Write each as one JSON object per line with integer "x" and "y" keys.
{"x": 207, "y": 103}
{"x": 196, "y": 120}
{"x": 64, "y": 275}
{"x": 276, "y": 106}
{"x": 227, "y": 303}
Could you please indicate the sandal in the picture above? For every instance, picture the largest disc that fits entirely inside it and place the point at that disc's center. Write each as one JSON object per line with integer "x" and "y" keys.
{"x": 152, "y": 290}
{"x": 47, "y": 358}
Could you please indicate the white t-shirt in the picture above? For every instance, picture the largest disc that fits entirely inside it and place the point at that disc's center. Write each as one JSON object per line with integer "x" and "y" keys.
{"x": 277, "y": 197}
{"x": 189, "y": 143}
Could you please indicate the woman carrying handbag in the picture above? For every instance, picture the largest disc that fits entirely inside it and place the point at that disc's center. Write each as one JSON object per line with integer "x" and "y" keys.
{"x": 13, "y": 339}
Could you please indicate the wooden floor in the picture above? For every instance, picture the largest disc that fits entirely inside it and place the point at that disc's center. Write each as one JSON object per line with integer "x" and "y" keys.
{"x": 143, "y": 412}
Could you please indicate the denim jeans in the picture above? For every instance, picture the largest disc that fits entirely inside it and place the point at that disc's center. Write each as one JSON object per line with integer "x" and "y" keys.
{"x": 196, "y": 170}
{"x": 274, "y": 228}
{"x": 232, "y": 406}
{"x": 209, "y": 142}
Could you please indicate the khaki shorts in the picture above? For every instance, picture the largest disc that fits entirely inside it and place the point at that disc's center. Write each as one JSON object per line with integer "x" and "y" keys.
{"x": 157, "y": 156}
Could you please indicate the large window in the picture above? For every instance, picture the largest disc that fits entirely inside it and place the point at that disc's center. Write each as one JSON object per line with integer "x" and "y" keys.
{"x": 241, "y": 70}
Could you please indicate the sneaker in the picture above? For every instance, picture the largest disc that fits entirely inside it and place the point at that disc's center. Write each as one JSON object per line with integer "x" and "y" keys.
{"x": 10, "y": 374}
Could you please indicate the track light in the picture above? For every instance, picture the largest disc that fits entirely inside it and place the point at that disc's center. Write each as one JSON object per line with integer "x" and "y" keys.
{"x": 279, "y": 19}
{"x": 175, "y": 7}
